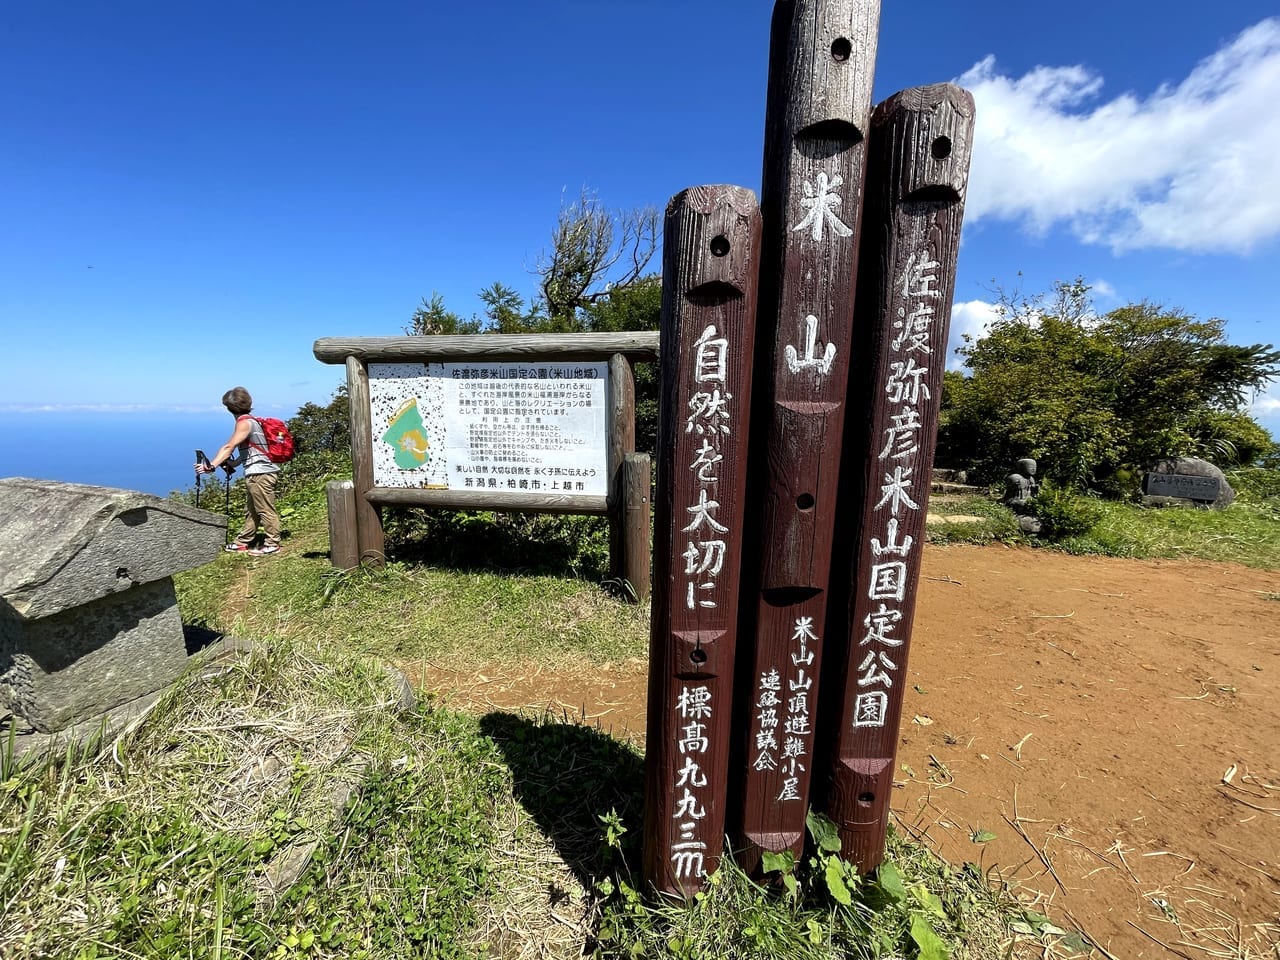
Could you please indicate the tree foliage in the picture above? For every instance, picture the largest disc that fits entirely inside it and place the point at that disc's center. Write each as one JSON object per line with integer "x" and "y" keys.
{"x": 591, "y": 280}
{"x": 433, "y": 319}
{"x": 588, "y": 242}
{"x": 1090, "y": 395}
{"x": 637, "y": 306}
{"x": 328, "y": 428}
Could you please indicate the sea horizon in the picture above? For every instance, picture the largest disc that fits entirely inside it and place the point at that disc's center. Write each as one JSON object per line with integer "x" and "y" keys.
{"x": 146, "y": 450}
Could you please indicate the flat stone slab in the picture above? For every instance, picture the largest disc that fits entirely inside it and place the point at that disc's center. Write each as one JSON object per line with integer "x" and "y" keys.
{"x": 63, "y": 545}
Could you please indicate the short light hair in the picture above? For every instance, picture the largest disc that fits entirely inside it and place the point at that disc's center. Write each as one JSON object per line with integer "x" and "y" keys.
{"x": 238, "y": 401}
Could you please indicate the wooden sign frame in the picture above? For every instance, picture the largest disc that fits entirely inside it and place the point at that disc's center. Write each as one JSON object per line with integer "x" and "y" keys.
{"x": 619, "y": 350}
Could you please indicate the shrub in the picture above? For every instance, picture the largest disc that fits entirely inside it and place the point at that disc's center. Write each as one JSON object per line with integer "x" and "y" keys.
{"x": 1255, "y": 485}
{"x": 1063, "y": 513}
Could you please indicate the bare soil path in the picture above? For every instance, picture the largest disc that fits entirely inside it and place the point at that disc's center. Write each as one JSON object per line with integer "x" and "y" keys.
{"x": 1115, "y": 724}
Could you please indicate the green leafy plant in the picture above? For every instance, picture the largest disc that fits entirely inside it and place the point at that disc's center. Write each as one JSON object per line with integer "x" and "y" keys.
{"x": 1062, "y": 513}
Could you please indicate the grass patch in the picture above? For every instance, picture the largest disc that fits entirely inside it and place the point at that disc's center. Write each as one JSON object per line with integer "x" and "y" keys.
{"x": 405, "y": 612}
{"x": 996, "y": 522}
{"x": 914, "y": 905}
{"x": 1244, "y": 533}
{"x": 274, "y": 804}
{"x": 1247, "y": 532}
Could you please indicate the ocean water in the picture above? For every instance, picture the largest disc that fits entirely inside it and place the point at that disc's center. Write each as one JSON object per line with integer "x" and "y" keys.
{"x": 150, "y": 452}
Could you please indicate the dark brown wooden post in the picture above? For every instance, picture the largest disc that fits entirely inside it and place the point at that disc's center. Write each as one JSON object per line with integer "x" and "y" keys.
{"x": 710, "y": 269}
{"x": 821, "y": 63}
{"x": 344, "y": 548}
{"x": 918, "y": 169}
{"x": 622, "y": 441}
{"x": 369, "y": 535}
{"x": 637, "y": 510}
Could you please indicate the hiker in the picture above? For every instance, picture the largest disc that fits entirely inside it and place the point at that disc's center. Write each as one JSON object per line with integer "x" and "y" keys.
{"x": 248, "y": 443}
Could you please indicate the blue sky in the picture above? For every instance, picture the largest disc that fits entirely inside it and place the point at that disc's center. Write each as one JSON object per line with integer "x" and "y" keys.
{"x": 191, "y": 194}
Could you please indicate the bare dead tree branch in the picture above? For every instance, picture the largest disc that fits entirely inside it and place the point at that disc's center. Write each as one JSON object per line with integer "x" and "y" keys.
{"x": 588, "y": 242}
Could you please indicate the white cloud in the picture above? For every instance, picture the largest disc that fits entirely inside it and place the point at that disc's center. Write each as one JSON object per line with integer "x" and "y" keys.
{"x": 1102, "y": 290}
{"x": 1191, "y": 167}
{"x": 1266, "y": 406}
{"x": 973, "y": 317}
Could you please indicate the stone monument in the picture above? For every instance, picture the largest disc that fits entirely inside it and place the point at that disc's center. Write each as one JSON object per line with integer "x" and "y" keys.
{"x": 1020, "y": 487}
{"x": 88, "y": 615}
{"x": 1187, "y": 481}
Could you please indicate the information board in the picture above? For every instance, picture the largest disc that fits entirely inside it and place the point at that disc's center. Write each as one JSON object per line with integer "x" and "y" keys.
{"x": 501, "y": 427}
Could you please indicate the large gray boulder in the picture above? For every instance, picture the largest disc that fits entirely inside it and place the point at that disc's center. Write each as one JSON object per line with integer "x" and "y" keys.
{"x": 88, "y": 615}
{"x": 1186, "y": 479}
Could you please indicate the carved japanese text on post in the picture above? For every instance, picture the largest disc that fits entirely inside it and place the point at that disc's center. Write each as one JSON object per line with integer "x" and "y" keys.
{"x": 708, "y": 317}
{"x": 918, "y": 169}
{"x": 820, "y": 74}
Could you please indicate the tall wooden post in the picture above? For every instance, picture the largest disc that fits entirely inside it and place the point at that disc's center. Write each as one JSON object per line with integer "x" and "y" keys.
{"x": 821, "y": 63}
{"x": 918, "y": 170}
{"x": 710, "y": 268}
{"x": 369, "y": 536}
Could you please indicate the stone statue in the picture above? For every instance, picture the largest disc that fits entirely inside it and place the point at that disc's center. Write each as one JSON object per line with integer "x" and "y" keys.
{"x": 1020, "y": 487}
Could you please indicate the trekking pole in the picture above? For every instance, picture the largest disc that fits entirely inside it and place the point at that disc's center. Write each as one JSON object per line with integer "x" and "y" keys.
{"x": 226, "y": 503}
{"x": 201, "y": 460}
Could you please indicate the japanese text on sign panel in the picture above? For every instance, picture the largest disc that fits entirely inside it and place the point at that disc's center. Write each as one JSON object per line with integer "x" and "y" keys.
{"x": 500, "y": 427}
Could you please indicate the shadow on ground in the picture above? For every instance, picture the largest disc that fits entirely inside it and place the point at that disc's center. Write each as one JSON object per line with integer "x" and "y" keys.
{"x": 471, "y": 541}
{"x": 568, "y": 776}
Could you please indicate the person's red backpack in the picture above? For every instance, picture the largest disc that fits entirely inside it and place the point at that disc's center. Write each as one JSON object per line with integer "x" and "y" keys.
{"x": 279, "y": 448}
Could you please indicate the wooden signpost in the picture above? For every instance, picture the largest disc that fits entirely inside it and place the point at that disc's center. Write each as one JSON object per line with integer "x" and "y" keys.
{"x": 710, "y": 267}
{"x": 542, "y": 423}
{"x": 918, "y": 170}
{"x": 842, "y": 434}
{"x": 821, "y": 63}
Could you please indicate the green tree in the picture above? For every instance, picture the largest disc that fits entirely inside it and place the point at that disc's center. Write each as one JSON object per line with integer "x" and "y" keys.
{"x": 1086, "y": 395}
{"x": 637, "y": 306}
{"x": 323, "y": 429}
{"x": 432, "y": 319}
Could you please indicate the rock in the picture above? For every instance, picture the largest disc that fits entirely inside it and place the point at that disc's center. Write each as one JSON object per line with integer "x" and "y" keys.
{"x": 66, "y": 544}
{"x": 88, "y": 615}
{"x": 1188, "y": 478}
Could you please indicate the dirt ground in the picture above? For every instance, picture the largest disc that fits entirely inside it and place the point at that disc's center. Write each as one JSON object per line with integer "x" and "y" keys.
{"x": 1115, "y": 724}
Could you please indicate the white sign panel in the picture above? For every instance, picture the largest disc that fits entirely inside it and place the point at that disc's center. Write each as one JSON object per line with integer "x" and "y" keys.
{"x": 502, "y": 427}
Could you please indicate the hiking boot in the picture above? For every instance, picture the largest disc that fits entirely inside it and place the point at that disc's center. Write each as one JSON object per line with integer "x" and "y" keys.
{"x": 237, "y": 548}
{"x": 264, "y": 550}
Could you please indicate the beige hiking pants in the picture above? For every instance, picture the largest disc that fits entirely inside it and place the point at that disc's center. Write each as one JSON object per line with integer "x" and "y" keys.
{"x": 262, "y": 511}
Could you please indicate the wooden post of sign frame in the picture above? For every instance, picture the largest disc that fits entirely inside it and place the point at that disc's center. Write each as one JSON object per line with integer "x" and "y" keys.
{"x": 624, "y": 559}
{"x": 344, "y": 545}
{"x": 370, "y": 540}
{"x": 710, "y": 269}
{"x": 821, "y": 64}
{"x": 918, "y": 168}
{"x": 636, "y": 484}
